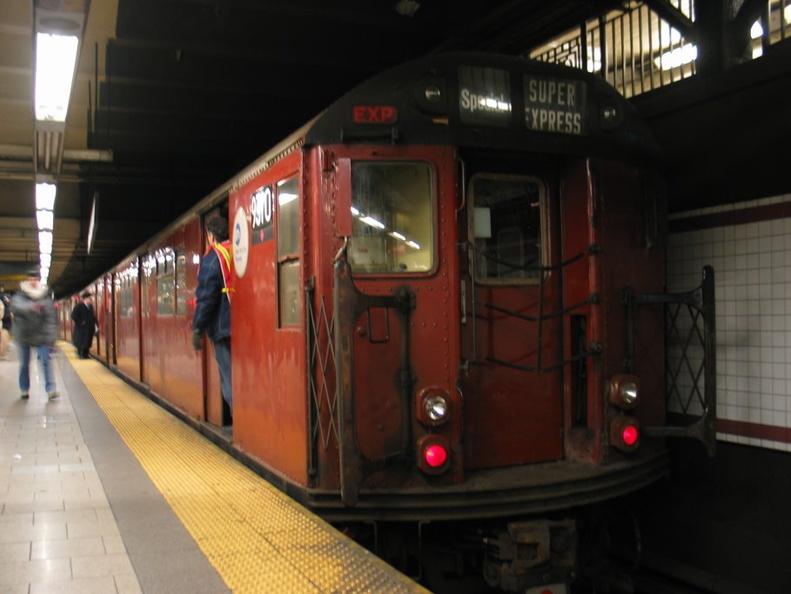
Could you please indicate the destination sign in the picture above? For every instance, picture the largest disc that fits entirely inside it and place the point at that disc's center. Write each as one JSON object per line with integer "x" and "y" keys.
{"x": 484, "y": 96}
{"x": 555, "y": 104}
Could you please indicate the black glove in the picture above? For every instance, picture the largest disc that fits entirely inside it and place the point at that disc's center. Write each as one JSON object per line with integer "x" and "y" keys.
{"x": 197, "y": 343}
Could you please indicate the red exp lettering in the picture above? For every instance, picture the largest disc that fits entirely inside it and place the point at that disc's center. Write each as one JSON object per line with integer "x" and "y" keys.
{"x": 374, "y": 114}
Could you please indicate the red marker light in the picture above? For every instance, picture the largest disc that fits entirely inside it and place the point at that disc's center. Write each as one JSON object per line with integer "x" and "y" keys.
{"x": 435, "y": 455}
{"x": 630, "y": 435}
{"x": 625, "y": 433}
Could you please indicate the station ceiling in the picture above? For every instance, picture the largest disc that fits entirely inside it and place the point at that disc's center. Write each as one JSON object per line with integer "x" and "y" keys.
{"x": 172, "y": 97}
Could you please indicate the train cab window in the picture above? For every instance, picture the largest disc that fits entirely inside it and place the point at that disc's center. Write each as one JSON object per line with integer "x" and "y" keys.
{"x": 393, "y": 218}
{"x": 288, "y": 207}
{"x": 506, "y": 224}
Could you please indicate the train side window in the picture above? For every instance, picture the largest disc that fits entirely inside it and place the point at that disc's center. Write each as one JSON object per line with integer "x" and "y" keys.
{"x": 148, "y": 265}
{"x": 166, "y": 283}
{"x": 181, "y": 282}
{"x": 392, "y": 218}
{"x": 288, "y": 266}
{"x": 506, "y": 224}
{"x": 126, "y": 286}
{"x": 124, "y": 296}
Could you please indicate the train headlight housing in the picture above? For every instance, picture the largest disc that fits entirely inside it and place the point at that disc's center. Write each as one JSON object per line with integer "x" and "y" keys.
{"x": 433, "y": 406}
{"x": 610, "y": 116}
{"x": 625, "y": 391}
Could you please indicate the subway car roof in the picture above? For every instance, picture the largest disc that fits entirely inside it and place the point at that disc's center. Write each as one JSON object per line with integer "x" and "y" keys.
{"x": 436, "y": 100}
{"x": 427, "y": 98}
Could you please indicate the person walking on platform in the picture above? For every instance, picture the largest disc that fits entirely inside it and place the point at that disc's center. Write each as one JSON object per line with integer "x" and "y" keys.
{"x": 35, "y": 325}
{"x": 213, "y": 301}
{"x": 5, "y": 332}
{"x": 84, "y": 318}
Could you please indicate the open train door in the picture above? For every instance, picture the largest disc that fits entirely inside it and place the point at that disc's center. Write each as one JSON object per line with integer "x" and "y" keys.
{"x": 217, "y": 411}
{"x": 511, "y": 344}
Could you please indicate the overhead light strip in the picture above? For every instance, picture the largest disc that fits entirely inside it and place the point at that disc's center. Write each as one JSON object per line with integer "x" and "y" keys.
{"x": 56, "y": 60}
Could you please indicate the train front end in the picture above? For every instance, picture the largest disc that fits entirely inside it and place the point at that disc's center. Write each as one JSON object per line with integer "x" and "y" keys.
{"x": 487, "y": 306}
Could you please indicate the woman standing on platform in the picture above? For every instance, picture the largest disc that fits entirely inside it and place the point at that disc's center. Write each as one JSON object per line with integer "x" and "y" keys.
{"x": 36, "y": 325}
{"x": 84, "y": 320}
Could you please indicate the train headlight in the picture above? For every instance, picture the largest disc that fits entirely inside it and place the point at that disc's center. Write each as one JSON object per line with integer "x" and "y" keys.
{"x": 433, "y": 406}
{"x": 625, "y": 391}
{"x": 625, "y": 433}
{"x": 436, "y": 407}
{"x": 433, "y": 454}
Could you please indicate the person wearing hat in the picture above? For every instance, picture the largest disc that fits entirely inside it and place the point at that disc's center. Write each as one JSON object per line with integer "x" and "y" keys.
{"x": 84, "y": 319}
{"x": 35, "y": 326}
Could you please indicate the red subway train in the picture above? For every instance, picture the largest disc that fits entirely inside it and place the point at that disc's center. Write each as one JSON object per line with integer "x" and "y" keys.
{"x": 448, "y": 304}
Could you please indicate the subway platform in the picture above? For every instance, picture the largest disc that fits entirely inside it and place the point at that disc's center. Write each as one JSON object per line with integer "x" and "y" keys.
{"x": 102, "y": 491}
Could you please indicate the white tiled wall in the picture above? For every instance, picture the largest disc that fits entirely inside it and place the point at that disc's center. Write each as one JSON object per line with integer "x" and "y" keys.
{"x": 752, "y": 266}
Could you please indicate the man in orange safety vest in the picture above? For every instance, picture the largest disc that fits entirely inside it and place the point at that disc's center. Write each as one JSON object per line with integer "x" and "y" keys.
{"x": 213, "y": 301}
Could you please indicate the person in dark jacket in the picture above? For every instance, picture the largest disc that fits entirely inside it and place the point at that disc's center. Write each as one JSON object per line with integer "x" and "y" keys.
{"x": 84, "y": 319}
{"x": 35, "y": 325}
{"x": 213, "y": 301}
{"x": 5, "y": 333}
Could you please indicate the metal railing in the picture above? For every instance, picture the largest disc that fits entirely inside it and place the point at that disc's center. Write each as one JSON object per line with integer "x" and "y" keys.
{"x": 690, "y": 359}
{"x": 637, "y": 51}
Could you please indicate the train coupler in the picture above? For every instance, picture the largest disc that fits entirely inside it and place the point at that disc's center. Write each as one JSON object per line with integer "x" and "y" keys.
{"x": 534, "y": 556}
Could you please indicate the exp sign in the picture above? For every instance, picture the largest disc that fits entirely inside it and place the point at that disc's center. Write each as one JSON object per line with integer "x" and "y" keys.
{"x": 374, "y": 114}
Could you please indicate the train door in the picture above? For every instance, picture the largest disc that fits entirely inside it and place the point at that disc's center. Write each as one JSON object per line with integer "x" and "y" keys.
{"x": 216, "y": 409}
{"x": 513, "y": 401}
{"x": 392, "y": 301}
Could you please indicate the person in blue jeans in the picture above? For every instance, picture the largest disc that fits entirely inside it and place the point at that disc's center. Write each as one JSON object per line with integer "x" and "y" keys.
{"x": 213, "y": 302}
{"x": 35, "y": 326}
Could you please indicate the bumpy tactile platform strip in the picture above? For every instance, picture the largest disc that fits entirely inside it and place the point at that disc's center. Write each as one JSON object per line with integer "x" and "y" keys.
{"x": 257, "y": 538}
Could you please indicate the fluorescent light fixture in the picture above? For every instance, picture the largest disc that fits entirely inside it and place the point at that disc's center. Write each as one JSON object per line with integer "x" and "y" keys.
{"x": 677, "y": 57}
{"x": 93, "y": 222}
{"x": 45, "y": 242}
{"x": 45, "y": 196}
{"x": 285, "y": 198}
{"x": 46, "y": 260}
{"x": 397, "y": 235}
{"x": 355, "y": 212}
{"x": 373, "y": 222}
{"x": 45, "y": 220}
{"x": 56, "y": 59}
{"x": 412, "y": 244}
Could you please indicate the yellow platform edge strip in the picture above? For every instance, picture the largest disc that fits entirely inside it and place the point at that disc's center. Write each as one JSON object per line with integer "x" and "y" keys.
{"x": 256, "y": 537}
